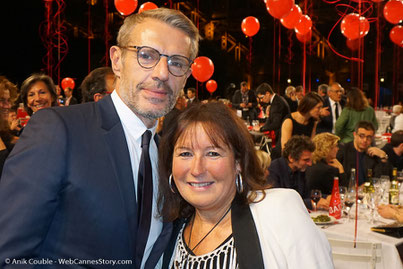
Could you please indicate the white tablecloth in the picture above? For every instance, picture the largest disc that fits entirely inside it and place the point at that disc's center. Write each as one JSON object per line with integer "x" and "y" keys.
{"x": 345, "y": 231}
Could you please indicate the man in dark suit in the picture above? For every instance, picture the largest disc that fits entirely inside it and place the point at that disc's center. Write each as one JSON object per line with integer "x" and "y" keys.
{"x": 333, "y": 105}
{"x": 278, "y": 110}
{"x": 245, "y": 100}
{"x": 289, "y": 170}
{"x": 80, "y": 186}
{"x": 359, "y": 154}
{"x": 191, "y": 96}
{"x": 70, "y": 99}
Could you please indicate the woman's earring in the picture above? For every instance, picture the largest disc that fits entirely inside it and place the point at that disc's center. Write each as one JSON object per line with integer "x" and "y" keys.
{"x": 239, "y": 183}
{"x": 170, "y": 183}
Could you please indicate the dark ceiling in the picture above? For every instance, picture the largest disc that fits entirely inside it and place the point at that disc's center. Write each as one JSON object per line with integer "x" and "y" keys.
{"x": 23, "y": 52}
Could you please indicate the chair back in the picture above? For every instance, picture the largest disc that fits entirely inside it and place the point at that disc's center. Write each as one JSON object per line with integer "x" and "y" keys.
{"x": 365, "y": 253}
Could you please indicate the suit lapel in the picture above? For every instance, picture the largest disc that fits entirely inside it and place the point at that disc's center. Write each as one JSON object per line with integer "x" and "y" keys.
{"x": 246, "y": 239}
{"x": 116, "y": 144}
{"x": 160, "y": 245}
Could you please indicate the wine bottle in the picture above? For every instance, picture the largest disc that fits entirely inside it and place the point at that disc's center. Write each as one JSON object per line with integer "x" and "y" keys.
{"x": 369, "y": 184}
{"x": 394, "y": 193}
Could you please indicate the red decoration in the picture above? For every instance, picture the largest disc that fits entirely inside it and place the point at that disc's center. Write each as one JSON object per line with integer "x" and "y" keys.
{"x": 126, "y": 7}
{"x": 68, "y": 83}
{"x": 211, "y": 85}
{"x": 396, "y": 35}
{"x": 335, "y": 203}
{"x": 279, "y": 8}
{"x": 304, "y": 38}
{"x": 393, "y": 11}
{"x": 353, "y": 26}
{"x": 291, "y": 20}
{"x": 147, "y": 6}
{"x": 304, "y": 25}
{"x": 353, "y": 44}
{"x": 250, "y": 26}
{"x": 376, "y": 1}
{"x": 202, "y": 68}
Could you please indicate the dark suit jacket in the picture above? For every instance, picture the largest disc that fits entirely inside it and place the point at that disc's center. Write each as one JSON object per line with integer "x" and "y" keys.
{"x": 279, "y": 109}
{"x": 326, "y": 123}
{"x": 281, "y": 176}
{"x": 237, "y": 100}
{"x": 347, "y": 156}
{"x": 292, "y": 104}
{"x": 321, "y": 176}
{"x": 67, "y": 190}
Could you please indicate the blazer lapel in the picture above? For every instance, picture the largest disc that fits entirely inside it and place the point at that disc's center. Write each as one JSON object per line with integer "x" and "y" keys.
{"x": 160, "y": 245}
{"x": 246, "y": 239}
{"x": 116, "y": 144}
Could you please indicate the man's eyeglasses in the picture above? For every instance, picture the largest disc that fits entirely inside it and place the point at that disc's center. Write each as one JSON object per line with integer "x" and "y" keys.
{"x": 368, "y": 137}
{"x": 148, "y": 58}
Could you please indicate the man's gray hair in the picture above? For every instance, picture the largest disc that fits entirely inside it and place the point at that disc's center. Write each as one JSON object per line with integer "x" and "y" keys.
{"x": 171, "y": 17}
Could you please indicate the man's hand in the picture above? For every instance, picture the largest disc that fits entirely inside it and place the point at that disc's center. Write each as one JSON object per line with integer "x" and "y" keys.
{"x": 243, "y": 105}
{"x": 324, "y": 111}
{"x": 324, "y": 203}
{"x": 374, "y": 151}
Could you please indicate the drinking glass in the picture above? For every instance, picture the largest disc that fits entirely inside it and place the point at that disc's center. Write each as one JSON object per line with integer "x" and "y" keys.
{"x": 343, "y": 192}
{"x": 315, "y": 196}
{"x": 349, "y": 201}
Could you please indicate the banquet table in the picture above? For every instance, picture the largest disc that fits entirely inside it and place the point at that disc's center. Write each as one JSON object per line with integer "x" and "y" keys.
{"x": 390, "y": 258}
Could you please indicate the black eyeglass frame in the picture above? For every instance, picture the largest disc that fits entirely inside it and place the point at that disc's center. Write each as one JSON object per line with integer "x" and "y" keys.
{"x": 139, "y": 48}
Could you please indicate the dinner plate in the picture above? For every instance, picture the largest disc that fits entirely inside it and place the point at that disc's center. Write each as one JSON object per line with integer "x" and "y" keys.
{"x": 331, "y": 221}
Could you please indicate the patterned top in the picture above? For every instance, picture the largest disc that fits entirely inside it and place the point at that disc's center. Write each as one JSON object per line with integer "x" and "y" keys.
{"x": 223, "y": 257}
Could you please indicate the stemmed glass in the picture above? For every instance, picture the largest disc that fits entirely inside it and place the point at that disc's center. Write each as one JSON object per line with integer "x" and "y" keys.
{"x": 343, "y": 192}
{"x": 349, "y": 201}
{"x": 315, "y": 196}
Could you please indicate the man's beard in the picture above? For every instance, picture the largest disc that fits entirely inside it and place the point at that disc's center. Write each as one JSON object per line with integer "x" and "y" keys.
{"x": 131, "y": 99}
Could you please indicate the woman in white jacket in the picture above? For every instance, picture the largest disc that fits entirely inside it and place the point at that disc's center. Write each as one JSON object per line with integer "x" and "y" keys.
{"x": 225, "y": 215}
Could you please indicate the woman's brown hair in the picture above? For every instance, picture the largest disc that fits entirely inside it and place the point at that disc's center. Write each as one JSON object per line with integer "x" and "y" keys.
{"x": 222, "y": 126}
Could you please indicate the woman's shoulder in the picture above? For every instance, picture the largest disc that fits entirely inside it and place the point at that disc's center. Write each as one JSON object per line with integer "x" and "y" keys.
{"x": 277, "y": 196}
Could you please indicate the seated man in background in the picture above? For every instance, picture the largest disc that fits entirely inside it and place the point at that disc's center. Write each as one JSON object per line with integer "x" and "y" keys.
{"x": 97, "y": 84}
{"x": 289, "y": 170}
{"x": 394, "y": 150}
{"x": 360, "y": 155}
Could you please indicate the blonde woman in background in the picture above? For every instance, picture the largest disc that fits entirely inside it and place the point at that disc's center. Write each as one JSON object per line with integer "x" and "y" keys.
{"x": 264, "y": 160}
{"x": 325, "y": 165}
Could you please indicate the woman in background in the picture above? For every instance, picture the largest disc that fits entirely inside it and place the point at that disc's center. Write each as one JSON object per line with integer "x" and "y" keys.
{"x": 325, "y": 165}
{"x": 37, "y": 92}
{"x": 356, "y": 109}
{"x": 212, "y": 185}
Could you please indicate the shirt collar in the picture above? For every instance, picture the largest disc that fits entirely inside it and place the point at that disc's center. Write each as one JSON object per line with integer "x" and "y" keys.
{"x": 271, "y": 100}
{"x": 129, "y": 119}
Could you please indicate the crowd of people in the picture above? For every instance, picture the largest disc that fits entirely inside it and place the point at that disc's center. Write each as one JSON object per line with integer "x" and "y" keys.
{"x": 143, "y": 169}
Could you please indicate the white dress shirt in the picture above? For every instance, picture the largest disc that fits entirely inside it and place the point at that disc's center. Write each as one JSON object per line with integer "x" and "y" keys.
{"x": 333, "y": 111}
{"x": 134, "y": 128}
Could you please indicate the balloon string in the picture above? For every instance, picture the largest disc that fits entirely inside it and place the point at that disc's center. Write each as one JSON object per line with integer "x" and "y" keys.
{"x": 250, "y": 54}
{"x": 279, "y": 57}
{"x": 107, "y": 33}
{"x": 378, "y": 58}
{"x": 356, "y": 200}
{"x": 274, "y": 51}
{"x": 89, "y": 36}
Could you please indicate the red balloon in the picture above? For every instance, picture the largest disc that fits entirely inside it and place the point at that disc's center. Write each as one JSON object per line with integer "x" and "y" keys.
{"x": 353, "y": 26}
{"x": 279, "y": 8}
{"x": 393, "y": 11}
{"x": 291, "y": 20}
{"x": 305, "y": 38}
{"x": 353, "y": 44}
{"x": 250, "y": 26}
{"x": 147, "y": 6}
{"x": 126, "y": 7}
{"x": 304, "y": 25}
{"x": 202, "y": 68}
{"x": 396, "y": 35}
{"x": 211, "y": 85}
{"x": 68, "y": 83}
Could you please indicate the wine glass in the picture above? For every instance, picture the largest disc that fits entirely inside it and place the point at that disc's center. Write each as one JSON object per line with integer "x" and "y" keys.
{"x": 343, "y": 192}
{"x": 349, "y": 201}
{"x": 315, "y": 196}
